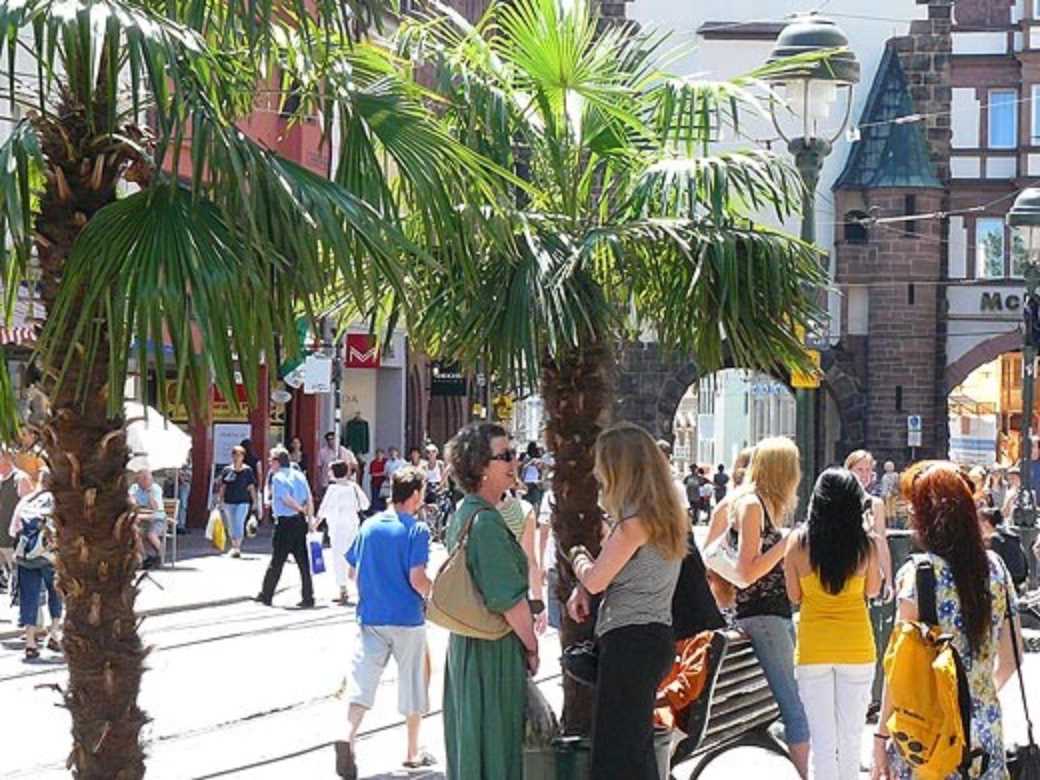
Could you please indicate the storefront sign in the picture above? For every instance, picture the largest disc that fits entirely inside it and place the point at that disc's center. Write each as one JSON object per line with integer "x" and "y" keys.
{"x": 222, "y": 410}
{"x": 317, "y": 374}
{"x": 362, "y": 351}
{"x": 997, "y": 301}
{"x": 447, "y": 380}
{"x": 807, "y": 380}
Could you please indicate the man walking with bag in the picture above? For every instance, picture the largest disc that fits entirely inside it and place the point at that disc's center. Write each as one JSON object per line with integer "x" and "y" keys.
{"x": 389, "y": 558}
{"x": 293, "y": 510}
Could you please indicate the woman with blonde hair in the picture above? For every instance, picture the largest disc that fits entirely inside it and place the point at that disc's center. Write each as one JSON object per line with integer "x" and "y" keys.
{"x": 861, "y": 463}
{"x": 756, "y": 515}
{"x": 722, "y": 589}
{"x": 636, "y": 569}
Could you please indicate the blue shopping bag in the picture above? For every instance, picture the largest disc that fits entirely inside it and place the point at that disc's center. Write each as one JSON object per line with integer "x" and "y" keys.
{"x": 314, "y": 551}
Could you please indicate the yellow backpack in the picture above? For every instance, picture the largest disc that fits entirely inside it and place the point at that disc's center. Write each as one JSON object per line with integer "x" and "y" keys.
{"x": 930, "y": 722}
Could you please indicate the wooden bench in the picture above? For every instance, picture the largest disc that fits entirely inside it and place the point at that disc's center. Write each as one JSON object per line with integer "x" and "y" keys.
{"x": 736, "y": 708}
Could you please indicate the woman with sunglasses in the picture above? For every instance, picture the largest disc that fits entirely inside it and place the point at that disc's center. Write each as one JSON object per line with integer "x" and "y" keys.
{"x": 636, "y": 570}
{"x": 485, "y": 680}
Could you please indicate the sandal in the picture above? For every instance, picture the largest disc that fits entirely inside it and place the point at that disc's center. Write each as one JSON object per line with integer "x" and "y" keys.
{"x": 31, "y": 653}
{"x": 54, "y": 645}
{"x": 346, "y": 766}
{"x": 424, "y": 759}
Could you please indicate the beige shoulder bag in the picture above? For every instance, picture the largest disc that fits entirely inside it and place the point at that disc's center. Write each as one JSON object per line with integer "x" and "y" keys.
{"x": 455, "y": 602}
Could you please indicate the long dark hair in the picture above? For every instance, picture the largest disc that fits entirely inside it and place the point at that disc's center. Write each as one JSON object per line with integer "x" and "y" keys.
{"x": 838, "y": 542}
{"x": 946, "y": 523}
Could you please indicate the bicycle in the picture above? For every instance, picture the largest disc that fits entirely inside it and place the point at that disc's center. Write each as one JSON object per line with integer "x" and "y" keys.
{"x": 437, "y": 512}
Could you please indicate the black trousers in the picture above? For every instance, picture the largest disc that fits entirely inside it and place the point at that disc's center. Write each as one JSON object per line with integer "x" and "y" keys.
{"x": 632, "y": 662}
{"x": 290, "y": 536}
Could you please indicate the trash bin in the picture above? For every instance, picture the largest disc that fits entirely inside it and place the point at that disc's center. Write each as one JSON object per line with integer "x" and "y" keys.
{"x": 539, "y": 763}
{"x": 572, "y": 758}
{"x": 568, "y": 758}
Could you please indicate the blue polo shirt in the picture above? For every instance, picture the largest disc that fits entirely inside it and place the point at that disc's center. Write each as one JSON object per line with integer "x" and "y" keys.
{"x": 288, "y": 482}
{"x": 386, "y": 549}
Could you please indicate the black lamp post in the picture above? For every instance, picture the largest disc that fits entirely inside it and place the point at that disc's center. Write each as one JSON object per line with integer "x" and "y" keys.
{"x": 810, "y": 92}
{"x": 1024, "y": 221}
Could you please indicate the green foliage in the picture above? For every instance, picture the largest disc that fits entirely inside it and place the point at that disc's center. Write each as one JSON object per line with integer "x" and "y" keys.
{"x": 221, "y": 260}
{"x": 630, "y": 220}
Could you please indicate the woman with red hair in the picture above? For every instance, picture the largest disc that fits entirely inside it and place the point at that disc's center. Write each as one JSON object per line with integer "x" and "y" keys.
{"x": 971, "y": 591}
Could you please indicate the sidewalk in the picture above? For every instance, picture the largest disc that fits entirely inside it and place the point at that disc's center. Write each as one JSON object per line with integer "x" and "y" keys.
{"x": 202, "y": 577}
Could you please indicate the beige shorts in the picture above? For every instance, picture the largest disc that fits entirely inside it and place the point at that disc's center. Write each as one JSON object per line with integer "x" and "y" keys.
{"x": 375, "y": 646}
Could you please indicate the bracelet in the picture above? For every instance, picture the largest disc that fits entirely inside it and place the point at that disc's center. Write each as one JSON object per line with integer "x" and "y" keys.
{"x": 883, "y": 737}
{"x": 537, "y": 606}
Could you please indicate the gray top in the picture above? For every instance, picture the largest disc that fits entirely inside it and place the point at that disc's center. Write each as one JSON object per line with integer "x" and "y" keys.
{"x": 641, "y": 593}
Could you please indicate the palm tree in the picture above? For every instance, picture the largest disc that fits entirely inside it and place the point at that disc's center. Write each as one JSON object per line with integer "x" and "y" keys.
{"x": 154, "y": 219}
{"x": 629, "y": 221}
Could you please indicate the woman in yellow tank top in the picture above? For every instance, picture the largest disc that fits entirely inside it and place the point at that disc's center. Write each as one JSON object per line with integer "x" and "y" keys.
{"x": 832, "y": 567}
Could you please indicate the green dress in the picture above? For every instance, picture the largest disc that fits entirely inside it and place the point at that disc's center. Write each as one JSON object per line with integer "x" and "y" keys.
{"x": 485, "y": 681}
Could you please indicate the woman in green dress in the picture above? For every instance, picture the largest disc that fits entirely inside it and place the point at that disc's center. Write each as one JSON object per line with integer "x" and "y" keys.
{"x": 484, "y": 681}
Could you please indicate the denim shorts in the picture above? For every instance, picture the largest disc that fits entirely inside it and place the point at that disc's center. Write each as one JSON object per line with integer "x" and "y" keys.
{"x": 32, "y": 584}
{"x": 773, "y": 639}
{"x": 235, "y": 517}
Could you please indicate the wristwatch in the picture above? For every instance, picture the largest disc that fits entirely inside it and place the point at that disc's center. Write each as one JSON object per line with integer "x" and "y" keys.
{"x": 537, "y": 606}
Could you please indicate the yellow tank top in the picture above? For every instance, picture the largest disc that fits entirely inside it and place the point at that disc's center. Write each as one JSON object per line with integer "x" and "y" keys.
{"x": 834, "y": 629}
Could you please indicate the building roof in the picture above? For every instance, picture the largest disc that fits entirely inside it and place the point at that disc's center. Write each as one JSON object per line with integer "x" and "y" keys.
{"x": 753, "y": 31}
{"x": 888, "y": 154}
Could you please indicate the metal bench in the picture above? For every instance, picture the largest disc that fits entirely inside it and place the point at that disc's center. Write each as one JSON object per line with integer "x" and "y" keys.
{"x": 736, "y": 708}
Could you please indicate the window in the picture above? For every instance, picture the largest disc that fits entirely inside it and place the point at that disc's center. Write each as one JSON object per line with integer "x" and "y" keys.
{"x": 910, "y": 294}
{"x": 1019, "y": 255}
{"x": 989, "y": 248}
{"x": 1035, "y": 103}
{"x": 855, "y": 228}
{"x": 909, "y": 209}
{"x": 899, "y": 398}
{"x": 1003, "y": 117}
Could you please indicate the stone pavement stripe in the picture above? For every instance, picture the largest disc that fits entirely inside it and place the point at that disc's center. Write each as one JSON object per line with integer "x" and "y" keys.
{"x": 168, "y": 610}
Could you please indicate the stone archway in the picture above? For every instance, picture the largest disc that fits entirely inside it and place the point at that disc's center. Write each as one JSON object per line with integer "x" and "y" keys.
{"x": 982, "y": 353}
{"x": 651, "y": 385}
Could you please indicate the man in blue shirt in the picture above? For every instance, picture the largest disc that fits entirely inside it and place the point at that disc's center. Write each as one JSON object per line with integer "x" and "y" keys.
{"x": 293, "y": 510}
{"x": 388, "y": 558}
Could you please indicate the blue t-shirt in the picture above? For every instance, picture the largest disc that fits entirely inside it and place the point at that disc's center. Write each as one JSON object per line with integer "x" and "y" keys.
{"x": 386, "y": 549}
{"x": 288, "y": 482}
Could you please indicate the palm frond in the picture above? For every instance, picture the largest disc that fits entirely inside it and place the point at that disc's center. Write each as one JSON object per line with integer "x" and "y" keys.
{"x": 718, "y": 186}
{"x": 721, "y": 292}
{"x": 533, "y": 300}
{"x": 171, "y": 265}
{"x": 21, "y": 179}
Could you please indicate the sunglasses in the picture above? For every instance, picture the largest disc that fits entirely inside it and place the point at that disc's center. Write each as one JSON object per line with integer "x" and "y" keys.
{"x": 507, "y": 456}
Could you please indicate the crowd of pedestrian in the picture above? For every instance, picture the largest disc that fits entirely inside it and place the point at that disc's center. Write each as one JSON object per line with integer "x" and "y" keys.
{"x": 650, "y": 595}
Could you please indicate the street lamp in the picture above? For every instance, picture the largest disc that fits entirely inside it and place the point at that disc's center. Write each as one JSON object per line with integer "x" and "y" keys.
{"x": 1024, "y": 221}
{"x": 811, "y": 89}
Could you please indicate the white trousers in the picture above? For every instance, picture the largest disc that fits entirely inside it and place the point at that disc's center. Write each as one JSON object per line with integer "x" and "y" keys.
{"x": 341, "y": 534}
{"x": 836, "y": 698}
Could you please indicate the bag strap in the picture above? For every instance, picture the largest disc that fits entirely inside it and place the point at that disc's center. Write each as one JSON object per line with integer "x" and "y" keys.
{"x": 1018, "y": 660}
{"x": 925, "y": 579}
{"x": 465, "y": 529}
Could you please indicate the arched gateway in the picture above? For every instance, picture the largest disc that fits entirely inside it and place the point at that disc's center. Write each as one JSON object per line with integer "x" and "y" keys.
{"x": 651, "y": 383}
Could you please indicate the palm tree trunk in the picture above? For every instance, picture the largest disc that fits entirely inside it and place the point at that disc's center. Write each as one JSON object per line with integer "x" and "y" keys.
{"x": 98, "y": 542}
{"x": 577, "y": 390}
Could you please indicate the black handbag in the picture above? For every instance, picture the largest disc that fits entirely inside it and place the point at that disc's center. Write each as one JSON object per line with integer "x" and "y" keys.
{"x": 580, "y": 662}
{"x": 1023, "y": 761}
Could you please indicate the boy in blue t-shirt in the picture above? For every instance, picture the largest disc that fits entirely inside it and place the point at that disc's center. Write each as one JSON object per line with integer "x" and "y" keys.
{"x": 388, "y": 558}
